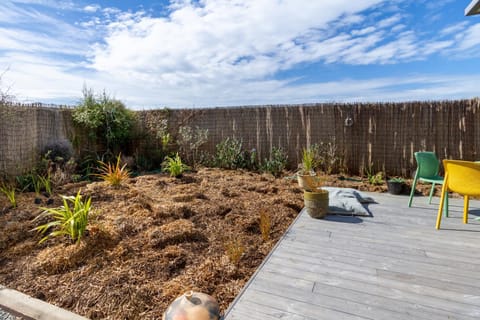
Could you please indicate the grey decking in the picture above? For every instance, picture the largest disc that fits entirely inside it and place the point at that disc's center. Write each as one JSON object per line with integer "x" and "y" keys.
{"x": 393, "y": 265}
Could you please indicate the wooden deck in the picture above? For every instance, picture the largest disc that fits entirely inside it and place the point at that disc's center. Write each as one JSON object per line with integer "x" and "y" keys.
{"x": 392, "y": 265}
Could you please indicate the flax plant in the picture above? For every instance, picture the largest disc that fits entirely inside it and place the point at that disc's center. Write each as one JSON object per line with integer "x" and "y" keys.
{"x": 9, "y": 191}
{"x": 71, "y": 219}
{"x": 174, "y": 166}
{"x": 113, "y": 174}
{"x": 47, "y": 184}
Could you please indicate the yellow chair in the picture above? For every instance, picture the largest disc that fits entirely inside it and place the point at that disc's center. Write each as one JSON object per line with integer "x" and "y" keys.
{"x": 462, "y": 177}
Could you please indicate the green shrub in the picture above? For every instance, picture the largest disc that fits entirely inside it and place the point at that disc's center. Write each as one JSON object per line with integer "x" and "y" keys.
{"x": 174, "y": 166}
{"x": 189, "y": 142}
{"x": 71, "y": 219}
{"x": 107, "y": 120}
{"x": 229, "y": 154}
{"x": 276, "y": 163}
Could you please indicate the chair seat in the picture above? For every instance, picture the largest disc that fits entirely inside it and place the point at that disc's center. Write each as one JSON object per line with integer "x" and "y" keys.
{"x": 432, "y": 179}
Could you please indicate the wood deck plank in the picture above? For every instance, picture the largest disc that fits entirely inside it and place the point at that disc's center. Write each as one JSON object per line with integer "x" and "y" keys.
{"x": 391, "y": 265}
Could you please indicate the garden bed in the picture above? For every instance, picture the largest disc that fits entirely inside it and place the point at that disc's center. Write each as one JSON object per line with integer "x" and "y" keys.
{"x": 150, "y": 240}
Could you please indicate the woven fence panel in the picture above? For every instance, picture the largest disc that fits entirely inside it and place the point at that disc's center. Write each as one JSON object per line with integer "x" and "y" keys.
{"x": 378, "y": 136}
{"x": 25, "y": 131}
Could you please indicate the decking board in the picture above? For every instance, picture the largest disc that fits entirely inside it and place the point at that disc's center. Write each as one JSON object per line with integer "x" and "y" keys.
{"x": 391, "y": 265}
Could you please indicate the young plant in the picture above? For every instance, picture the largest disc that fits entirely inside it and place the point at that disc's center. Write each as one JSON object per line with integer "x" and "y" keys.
{"x": 9, "y": 191}
{"x": 234, "y": 249}
{"x": 276, "y": 163}
{"x": 113, "y": 174}
{"x": 396, "y": 180}
{"x": 71, "y": 219}
{"x": 37, "y": 184}
{"x": 229, "y": 154}
{"x": 46, "y": 182}
{"x": 174, "y": 166}
{"x": 308, "y": 161}
{"x": 265, "y": 224}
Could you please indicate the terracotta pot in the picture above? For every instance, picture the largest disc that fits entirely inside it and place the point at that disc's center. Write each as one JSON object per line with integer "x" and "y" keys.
{"x": 316, "y": 203}
{"x": 193, "y": 306}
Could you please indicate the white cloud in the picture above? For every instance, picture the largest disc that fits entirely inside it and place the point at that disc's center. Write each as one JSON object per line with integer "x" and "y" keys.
{"x": 223, "y": 52}
{"x": 92, "y": 8}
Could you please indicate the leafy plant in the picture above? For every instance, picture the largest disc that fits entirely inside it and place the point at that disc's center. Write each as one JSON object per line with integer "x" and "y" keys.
{"x": 229, "y": 154}
{"x": 113, "y": 174}
{"x": 46, "y": 183}
{"x": 25, "y": 182}
{"x": 107, "y": 120}
{"x": 234, "y": 250}
{"x": 374, "y": 179}
{"x": 71, "y": 219}
{"x": 308, "y": 161}
{"x": 9, "y": 191}
{"x": 265, "y": 224}
{"x": 276, "y": 163}
{"x": 396, "y": 180}
{"x": 189, "y": 141}
{"x": 37, "y": 184}
{"x": 174, "y": 166}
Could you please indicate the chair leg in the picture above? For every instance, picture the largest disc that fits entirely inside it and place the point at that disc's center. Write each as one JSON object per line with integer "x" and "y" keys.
{"x": 414, "y": 183}
{"x": 445, "y": 211}
{"x": 431, "y": 193}
{"x": 466, "y": 201}
{"x": 440, "y": 206}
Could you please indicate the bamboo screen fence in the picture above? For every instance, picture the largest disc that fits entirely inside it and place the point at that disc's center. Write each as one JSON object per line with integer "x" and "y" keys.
{"x": 25, "y": 130}
{"x": 382, "y": 136}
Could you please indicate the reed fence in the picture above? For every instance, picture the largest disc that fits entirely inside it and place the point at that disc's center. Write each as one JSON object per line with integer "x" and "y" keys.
{"x": 378, "y": 136}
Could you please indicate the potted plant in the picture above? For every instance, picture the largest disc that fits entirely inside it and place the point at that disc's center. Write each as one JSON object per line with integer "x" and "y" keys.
{"x": 395, "y": 185}
{"x": 306, "y": 176}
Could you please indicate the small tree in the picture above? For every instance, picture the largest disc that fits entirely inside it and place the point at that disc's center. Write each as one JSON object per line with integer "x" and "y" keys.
{"x": 107, "y": 120}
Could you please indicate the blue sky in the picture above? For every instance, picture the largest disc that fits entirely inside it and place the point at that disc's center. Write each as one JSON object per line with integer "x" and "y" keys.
{"x": 180, "y": 53}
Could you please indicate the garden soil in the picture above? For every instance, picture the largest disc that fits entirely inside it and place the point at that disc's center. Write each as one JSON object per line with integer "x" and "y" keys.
{"x": 152, "y": 239}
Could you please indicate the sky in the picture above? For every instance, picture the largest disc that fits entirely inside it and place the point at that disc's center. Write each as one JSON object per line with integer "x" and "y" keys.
{"x": 211, "y": 53}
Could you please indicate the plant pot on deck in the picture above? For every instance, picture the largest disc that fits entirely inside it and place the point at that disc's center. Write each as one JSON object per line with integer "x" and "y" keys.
{"x": 395, "y": 187}
{"x": 308, "y": 182}
{"x": 316, "y": 203}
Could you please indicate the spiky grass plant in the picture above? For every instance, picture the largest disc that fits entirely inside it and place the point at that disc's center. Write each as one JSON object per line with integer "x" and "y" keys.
{"x": 113, "y": 174}
{"x": 9, "y": 191}
{"x": 46, "y": 183}
{"x": 71, "y": 219}
{"x": 174, "y": 166}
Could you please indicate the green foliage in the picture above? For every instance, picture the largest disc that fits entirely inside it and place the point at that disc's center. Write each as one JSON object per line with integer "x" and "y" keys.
{"x": 25, "y": 182}
{"x": 113, "y": 174}
{"x": 396, "y": 180}
{"x": 9, "y": 191}
{"x": 229, "y": 154}
{"x": 308, "y": 160}
{"x": 276, "y": 163}
{"x": 174, "y": 166}
{"x": 189, "y": 142}
{"x": 71, "y": 219}
{"x": 374, "y": 179}
{"x": 46, "y": 183}
{"x": 107, "y": 120}
{"x": 328, "y": 158}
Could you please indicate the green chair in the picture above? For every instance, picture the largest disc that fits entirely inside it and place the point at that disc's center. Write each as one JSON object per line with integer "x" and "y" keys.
{"x": 427, "y": 171}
